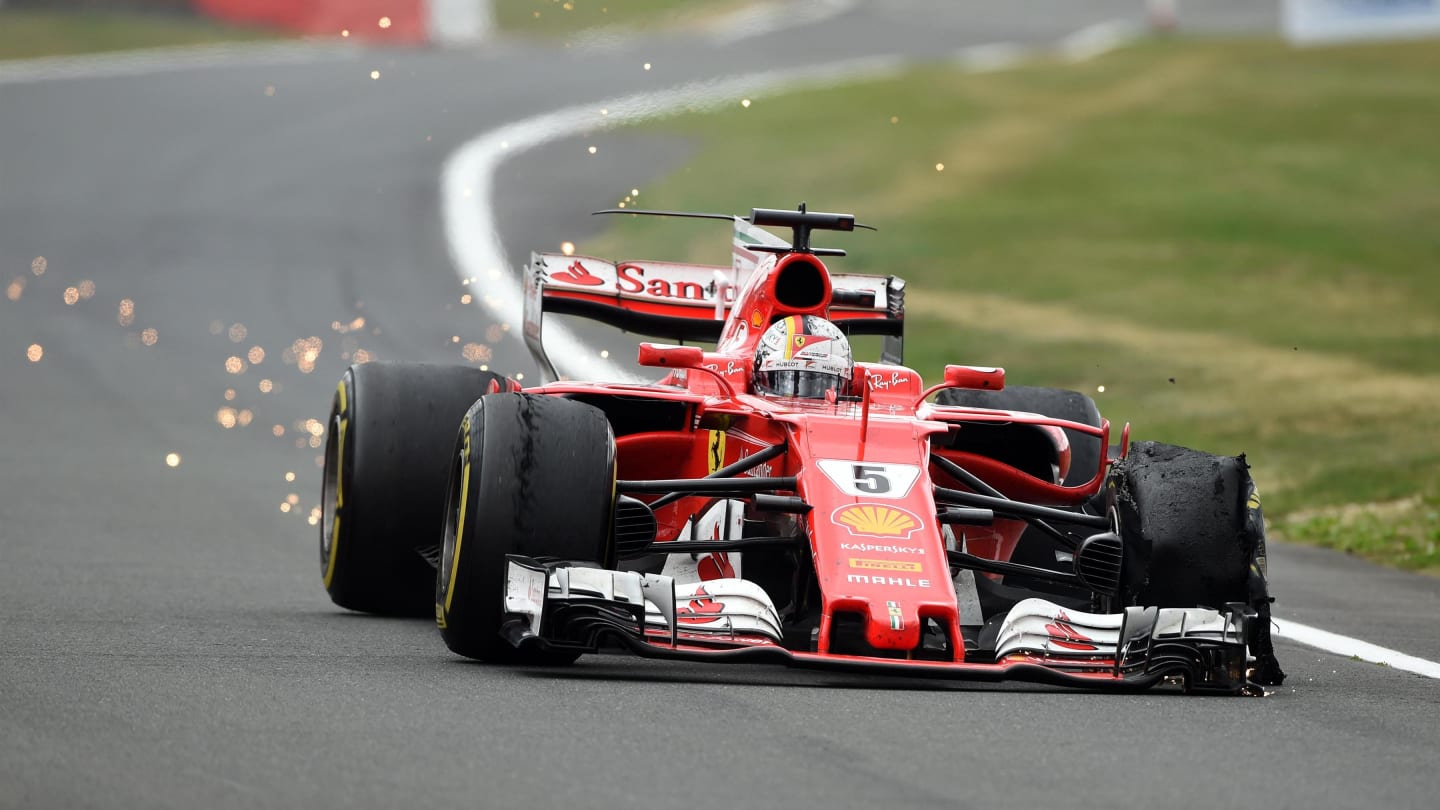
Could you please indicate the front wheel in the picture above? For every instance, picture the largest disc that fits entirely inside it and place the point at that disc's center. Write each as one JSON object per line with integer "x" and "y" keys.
{"x": 387, "y": 452}
{"x": 1194, "y": 536}
{"x": 532, "y": 475}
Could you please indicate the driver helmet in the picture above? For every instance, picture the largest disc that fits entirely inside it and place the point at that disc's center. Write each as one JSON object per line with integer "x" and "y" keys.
{"x": 803, "y": 356}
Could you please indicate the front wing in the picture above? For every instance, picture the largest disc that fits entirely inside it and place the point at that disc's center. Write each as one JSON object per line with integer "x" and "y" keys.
{"x": 575, "y": 608}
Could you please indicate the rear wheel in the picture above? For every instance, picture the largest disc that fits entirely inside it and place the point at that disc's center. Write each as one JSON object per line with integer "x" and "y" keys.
{"x": 1036, "y": 548}
{"x": 532, "y": 475}
{"x": 391, "y": 434}
{"x": 1194, "y": 535}
{"x": 1056, "y": 403}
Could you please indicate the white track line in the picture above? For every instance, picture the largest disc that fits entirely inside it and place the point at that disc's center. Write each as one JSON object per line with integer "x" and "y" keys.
{"x": 994, "y": 56}
{"x": 768, "y": 18}
{"x": 468, "y": 179}
{"x": 150, "y": 61}
{"x": 1095, "y": 40}
{"x": 1353, "y": 647}
{"x": 744, "y": 23}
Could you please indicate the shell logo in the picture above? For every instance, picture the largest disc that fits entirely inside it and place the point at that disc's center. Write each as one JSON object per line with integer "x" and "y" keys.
{"x": 876, "y": 520}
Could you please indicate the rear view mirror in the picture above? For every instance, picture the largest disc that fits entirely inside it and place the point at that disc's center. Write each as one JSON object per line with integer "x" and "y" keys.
{"x": 976, "y": 377}
{"x": 652, "y": 354}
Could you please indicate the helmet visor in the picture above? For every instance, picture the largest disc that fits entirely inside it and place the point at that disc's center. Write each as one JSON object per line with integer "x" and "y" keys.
{"x": 807, "y": 384}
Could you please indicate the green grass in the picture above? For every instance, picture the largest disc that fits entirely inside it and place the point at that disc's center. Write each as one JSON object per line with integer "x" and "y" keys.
{"x": 26, "y": 34}
{"x": 1404, "y": 532}
{"x": 559, "y": 18}
{"x": 1236, "y": 239}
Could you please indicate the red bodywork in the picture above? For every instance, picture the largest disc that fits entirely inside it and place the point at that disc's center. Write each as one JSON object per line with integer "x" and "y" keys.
{"x": 877, "y": 546}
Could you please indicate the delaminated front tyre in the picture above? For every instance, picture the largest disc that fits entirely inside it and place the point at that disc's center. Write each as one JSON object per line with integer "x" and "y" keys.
{"x": 532, "y": 475}
{"x": 387, "y": 456}
{"x": 1194, "y": 535}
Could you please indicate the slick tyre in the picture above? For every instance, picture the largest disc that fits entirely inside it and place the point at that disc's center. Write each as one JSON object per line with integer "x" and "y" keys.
{"x": 531, "y": 475}
{"x": 387, "y": 457}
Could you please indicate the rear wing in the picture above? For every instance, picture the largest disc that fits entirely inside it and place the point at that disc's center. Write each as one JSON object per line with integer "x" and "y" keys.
{"x": 692, "y": 301}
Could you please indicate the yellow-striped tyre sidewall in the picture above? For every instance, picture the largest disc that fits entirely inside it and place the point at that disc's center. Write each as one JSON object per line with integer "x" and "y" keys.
{"x": 454, "y": 536}
{"x": 334, "y": 484}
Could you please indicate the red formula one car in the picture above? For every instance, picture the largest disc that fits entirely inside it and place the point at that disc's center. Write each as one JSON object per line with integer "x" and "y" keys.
{"x": 774, "y": 500}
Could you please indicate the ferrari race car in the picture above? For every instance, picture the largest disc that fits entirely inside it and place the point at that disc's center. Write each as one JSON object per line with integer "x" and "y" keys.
{"x": 773, "y": 500}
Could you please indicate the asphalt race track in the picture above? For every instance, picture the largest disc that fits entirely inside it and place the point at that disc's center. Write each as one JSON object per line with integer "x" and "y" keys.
{"x": 164, "y": 638}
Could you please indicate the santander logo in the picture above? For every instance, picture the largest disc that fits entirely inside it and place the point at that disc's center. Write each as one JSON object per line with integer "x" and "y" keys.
{"x": 631, "y": 278}
{"x": 577, "y": 274}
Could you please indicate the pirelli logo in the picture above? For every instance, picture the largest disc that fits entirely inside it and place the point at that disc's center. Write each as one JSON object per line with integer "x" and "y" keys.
{"x": 885, "y": 565}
